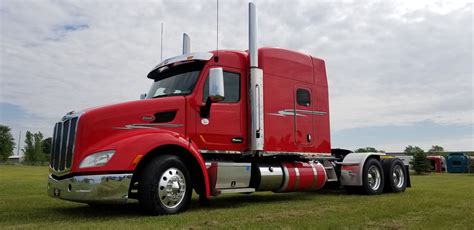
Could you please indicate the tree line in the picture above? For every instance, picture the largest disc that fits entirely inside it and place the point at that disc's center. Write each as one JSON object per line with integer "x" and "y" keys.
{"x": 409, "y": 150}
{"x": 36, "y": 150}
{"x": 420, "y": 163}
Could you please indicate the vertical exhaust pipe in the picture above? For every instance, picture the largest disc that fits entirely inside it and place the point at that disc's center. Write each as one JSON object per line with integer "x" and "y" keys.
{"x": 253, "y": 50}
{"x": 256, "y": 86}
{"x": 186, "y": 43}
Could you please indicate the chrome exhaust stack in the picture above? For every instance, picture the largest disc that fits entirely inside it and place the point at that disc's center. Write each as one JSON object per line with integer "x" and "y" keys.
{"x": 256, "y": 86}
{"x": 186, "y": 44}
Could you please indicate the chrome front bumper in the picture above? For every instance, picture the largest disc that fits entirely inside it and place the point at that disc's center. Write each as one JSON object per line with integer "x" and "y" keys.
{"x": 106, "y": 189}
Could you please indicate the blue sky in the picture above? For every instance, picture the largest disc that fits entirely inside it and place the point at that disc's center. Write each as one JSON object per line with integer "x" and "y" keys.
{"x": 400, "y": 72}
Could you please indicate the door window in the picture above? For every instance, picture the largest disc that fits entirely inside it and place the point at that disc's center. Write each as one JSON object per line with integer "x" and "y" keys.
{"x": 231, "y": 88}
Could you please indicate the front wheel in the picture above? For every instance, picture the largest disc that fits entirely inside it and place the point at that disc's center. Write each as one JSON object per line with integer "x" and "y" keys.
{"x": 165, "y": 186}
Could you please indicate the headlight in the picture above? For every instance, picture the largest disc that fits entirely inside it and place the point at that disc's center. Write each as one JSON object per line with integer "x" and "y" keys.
{"x": 97, "y": 159}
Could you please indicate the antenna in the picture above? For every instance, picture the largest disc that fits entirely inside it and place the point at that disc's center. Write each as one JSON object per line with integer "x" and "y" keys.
{"x": 216, "y": 58}
{"x": 161, "y": 43}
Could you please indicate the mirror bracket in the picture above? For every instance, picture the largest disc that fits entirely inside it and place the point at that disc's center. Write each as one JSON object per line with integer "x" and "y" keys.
{"x": 205, "y": 110}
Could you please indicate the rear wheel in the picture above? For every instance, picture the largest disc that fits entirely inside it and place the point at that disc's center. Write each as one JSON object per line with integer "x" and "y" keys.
{"x": 372, "y": 177}
{"x": 394, "y": 171}
{"x": 165, "y": 186}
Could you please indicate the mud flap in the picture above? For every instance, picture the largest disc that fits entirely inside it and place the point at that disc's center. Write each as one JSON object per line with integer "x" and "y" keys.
{"x": 407, "y": 173}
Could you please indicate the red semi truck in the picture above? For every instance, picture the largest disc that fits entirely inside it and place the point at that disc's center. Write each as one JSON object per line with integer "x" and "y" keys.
{"x": 216, "y": 122}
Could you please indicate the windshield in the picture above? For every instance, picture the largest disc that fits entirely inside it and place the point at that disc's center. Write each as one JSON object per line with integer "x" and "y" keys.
{"x": 174, "y": 80}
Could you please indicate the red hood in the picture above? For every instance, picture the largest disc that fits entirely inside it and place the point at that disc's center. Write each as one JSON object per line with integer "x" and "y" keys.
{"x": 100, "y": 126}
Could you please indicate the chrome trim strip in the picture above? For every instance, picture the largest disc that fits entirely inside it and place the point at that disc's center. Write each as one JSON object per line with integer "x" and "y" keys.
{"x": 297, "y": 112}
{"x": 286, "y": 179}
{"x": 75, "y": 138}
{"x": 52, "y": 145}
{"x": 270, "y": 153}
{"x": 148, "y": 126}
{"x": 310, "y": 112}
{"x": 297, "y": 178}
{"x": 230, "y": 164}
{"x": 306, "y": 154}
{"x": 60, "y": 146}
{"x": 315, "y": 174}
{"x": 235, "y": 190}
{"x": 325, "y": 177}
{"x": 67, "y": 145}
{"x": 221, "y": 152}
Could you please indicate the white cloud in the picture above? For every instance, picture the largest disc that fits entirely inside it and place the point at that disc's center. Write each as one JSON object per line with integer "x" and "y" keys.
{"x": 388, "y": 63}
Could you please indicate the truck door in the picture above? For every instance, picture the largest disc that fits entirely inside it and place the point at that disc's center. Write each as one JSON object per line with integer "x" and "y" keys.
{"x": 303, "y": 116}
{"x": 225, "y": 128}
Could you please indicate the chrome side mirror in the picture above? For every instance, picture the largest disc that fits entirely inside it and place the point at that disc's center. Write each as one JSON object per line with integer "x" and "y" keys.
{"x": 216, "y": 84}
{"x": 142, "y": 96}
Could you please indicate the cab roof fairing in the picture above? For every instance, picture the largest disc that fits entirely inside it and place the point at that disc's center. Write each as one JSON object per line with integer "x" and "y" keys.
{"x": 204, "y": 56}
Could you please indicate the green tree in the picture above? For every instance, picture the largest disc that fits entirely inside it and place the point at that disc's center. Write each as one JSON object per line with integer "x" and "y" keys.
{"x": 436, "y": 149}
{"x": 6, "y": 142}
{"x": 46, "y": 145}
{"x": 366, "y": 150}
{"x": 420, "y": 163}
{"x": 33, "y": 149}
{"x": 411, "y": 150}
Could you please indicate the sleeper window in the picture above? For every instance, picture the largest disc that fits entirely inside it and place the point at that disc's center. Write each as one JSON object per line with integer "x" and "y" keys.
{"x": 303, "y": 97}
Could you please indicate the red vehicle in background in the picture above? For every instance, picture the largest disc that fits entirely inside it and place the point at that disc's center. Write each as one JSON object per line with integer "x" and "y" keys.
{"x": 216, "y": 122}
{"x": 437, "y": 163}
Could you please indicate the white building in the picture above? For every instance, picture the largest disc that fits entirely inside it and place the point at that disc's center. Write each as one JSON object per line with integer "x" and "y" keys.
{"x": 16, "y": 159}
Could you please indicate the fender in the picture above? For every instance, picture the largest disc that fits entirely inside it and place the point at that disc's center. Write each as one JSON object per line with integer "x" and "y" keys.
{"x": 352, "y": 166}
{"x": 129, "y": 145}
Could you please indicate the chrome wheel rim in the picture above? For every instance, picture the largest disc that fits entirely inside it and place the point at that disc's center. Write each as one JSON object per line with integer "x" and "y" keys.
{"x": 374, "y": 177}
{"x": 172, "y": 188}
{"x": 398, "y": 176}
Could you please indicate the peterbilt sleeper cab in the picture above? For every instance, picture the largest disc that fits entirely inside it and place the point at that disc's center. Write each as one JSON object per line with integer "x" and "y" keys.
{"x": 214, "y": 122}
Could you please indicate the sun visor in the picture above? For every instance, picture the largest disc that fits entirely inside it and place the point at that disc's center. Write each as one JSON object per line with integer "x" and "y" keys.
{"x": 182, "y": 59}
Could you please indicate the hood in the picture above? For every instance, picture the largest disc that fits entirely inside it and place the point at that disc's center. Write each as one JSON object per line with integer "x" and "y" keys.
{"x": 100, "y": 126}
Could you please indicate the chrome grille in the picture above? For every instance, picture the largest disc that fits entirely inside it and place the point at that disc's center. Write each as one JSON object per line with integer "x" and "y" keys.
{"x": 62, "y": 150}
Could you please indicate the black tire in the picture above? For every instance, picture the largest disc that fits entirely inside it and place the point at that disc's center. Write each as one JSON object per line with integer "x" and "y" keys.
{"x": 395, "y": 175}
{"x": 372, "y": 177}
{"x": 160, "y": 188}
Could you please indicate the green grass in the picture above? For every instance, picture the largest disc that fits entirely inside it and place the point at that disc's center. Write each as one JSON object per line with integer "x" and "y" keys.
{"x": 436, "y": 201}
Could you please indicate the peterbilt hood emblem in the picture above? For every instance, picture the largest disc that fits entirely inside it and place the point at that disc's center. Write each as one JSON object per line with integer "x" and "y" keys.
{"x": 147, "y": 118}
